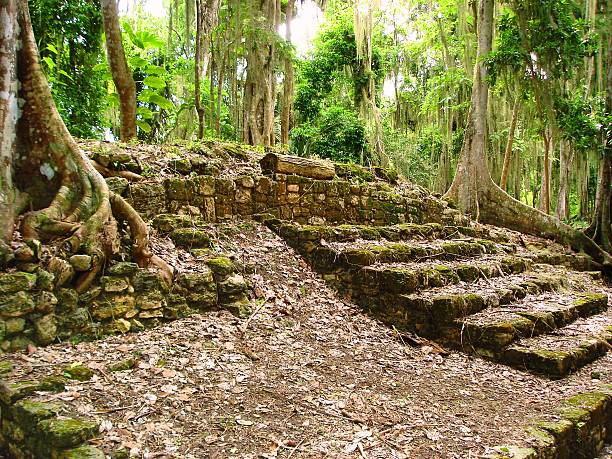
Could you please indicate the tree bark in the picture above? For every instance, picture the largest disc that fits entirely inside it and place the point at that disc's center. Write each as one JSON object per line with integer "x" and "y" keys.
{"x": 284, "y": 164}
{"x": 545, "y": 189}
{"x": 199, "y": 67}
{"x": 565, "y": 163}
{"x": 286, "y": 114}
{"x": 473, "y": 190}
{"x": 601, "y": 226}
{"x": 503, "y": 183}
{"x": 9, "y": 111}
{"x": 259, "y": 88}
{"x": 124, "y": 82}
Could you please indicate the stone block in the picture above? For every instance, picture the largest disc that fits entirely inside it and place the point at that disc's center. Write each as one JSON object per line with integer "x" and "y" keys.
{"x": 15, "y": 282}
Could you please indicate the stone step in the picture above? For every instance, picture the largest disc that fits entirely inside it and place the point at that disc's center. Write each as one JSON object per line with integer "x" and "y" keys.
{"x": 297, "y": 234}
{"x": 351, "y": 255}
{"x": 412, "y": 277}
{"x": 564, "y": 351}
{"x": 494, "y": 328}
{"x": 432, "y": 312}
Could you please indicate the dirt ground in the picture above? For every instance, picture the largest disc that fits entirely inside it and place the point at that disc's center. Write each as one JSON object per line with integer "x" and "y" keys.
{"x": 309, "y": 375}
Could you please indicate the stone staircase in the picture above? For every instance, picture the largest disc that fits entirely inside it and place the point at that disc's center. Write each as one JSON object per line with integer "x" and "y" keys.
{"x": 466, "y": 288}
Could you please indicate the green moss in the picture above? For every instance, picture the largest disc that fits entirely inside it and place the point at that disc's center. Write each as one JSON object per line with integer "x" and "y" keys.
{"x": 78, "y": 371}
{"x": 589, "y": 400}
{"x": 53, "y": 383}
{"x": 29, "y": 413}
{"x": 542, "y": 437}
{"x": 368, "y": 232}
{"x": 10, "y": 393}
{"x": 559, "y": 429}
{"x": 190, "y": 237}
{"x": 123, "y": 268}
{"x": 122, "y": 365}
{"x": 5, "y": 367}
{"x": 221, "y": 266}
{"x": 168, "y": 222}
{"x": 67, "y": 433}
{"x": 15, "y": 282}
{"x": 353, "y": 171}
{"x": 359, "y": 257}
{"x": 83, "y": 452}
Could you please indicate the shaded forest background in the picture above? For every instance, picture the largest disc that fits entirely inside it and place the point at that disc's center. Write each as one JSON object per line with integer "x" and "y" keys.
{"x": 383, "y": 84}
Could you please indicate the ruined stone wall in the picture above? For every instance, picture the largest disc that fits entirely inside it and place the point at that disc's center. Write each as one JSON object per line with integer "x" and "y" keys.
{"x": 291, "y": 197}
{"x": 36, "y": 309}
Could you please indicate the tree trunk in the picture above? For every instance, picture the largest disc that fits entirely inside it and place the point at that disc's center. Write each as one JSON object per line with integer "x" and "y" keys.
{"x": 259, "y": 90}
{"x": 503, "y": 183}
{"x": 565, "y": 163}
{"x": 288, "y": 83}
{"x": 70, "y": 198}
{"x": 473, "y": 190}
{"x": 124, "y": 82}
{"x": 199, "y": 67}
{"x": 545, "y": 189}
{"x": 206, "y": 16}
{"x": 472, "y": 170}
{"x": 8, "y": 114}
{"x": 284, "y": 164}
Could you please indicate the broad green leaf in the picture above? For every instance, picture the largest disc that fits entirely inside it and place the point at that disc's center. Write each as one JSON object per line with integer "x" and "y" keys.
{"x": 66, "y": 75}
{"x": 47, "y": 60}
{"x": 145, "y": 113}
{"x": 154, "y": 82}
{"x": 144, "y": 125}
{"x": 137, "y": 62}
{"x": 52, "y": 48}
{"x": 161, "y": 101}
{"x": 145, "y": 95}
{"x": 155, "y": 70}
{"x": 100, "y": 67}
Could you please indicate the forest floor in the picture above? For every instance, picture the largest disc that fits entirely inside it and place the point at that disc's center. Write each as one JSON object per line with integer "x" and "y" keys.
{"x": 309, "y": 375}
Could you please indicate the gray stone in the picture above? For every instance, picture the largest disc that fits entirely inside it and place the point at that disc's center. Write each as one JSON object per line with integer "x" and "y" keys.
{"x": 117, "y": 185}
{"x": 16, "y": 305}
{"x": 81, "y": 262}
{"x": 114, "y": 284}
{"x": 123, "y": 268}
{"x": 14, "y": 325}
{"x": 46, "y": 329}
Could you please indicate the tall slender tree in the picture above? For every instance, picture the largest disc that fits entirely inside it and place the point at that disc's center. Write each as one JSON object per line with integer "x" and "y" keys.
{"x": 122, "y": 77}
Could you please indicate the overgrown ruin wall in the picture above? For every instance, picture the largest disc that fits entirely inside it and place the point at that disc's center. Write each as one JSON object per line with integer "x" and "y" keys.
{"x": 291, "y": 197}
{"x": 35, "y": 310}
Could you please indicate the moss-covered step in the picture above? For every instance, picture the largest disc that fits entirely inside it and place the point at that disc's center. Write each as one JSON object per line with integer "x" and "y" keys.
{"x": 433, "y": 313}
{"x": 409, "y": 278}
{"x": 579, "y": 429}
{"x": 492, "y": 329}
{"x": 355, "y": 255}
{"x": 166, "y": 223}
{"x": 294, "y": 232}
{"x": 563, "y": 351}
{"x": 575, "y": 261}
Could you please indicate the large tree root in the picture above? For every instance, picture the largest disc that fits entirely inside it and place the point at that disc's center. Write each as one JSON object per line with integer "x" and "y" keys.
{"x": 80, "y": 214}
{"x": 140, "y": 237}
{"x": 498, "y": 208}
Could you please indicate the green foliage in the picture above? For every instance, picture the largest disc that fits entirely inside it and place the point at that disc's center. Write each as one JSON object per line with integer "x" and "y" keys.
{"x": 69, "y": 50}
{"x": 338, "y": 135}
{"x": 581, "y": 120}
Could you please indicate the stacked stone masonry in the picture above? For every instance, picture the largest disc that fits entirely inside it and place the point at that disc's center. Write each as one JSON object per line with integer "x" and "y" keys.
{"x": 35, "y": 309}
{"x": 291, "y": 197}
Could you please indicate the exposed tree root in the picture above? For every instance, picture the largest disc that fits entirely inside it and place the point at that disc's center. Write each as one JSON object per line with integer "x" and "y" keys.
{"x": 80, "y": 212}
{"x": 140, "y": 237}
{"x": 106, "y": 172}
